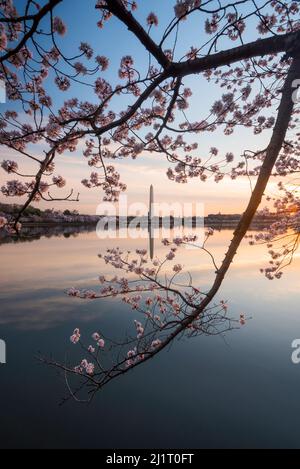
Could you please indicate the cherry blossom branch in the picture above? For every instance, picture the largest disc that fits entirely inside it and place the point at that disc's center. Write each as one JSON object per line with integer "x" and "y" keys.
{"x": 145, "y": 352}
{"x": 117, "y": 8}
{"x": 261, "y": 47}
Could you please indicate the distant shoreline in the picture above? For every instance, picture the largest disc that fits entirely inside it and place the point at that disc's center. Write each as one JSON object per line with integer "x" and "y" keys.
{"x": 34, "y": 217}
{"x": 222, "y": 222}
{"x": 35, "y": 230}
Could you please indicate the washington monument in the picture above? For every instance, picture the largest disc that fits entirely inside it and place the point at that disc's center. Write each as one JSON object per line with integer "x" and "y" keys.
{"x": 150, "y": 222}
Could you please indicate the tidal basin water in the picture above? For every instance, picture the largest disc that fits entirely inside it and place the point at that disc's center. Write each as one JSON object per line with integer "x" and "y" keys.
{"x": 237, "y": 390}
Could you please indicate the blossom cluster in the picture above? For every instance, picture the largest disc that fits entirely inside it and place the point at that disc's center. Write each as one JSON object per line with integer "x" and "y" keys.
{"x": 282, "y": 235}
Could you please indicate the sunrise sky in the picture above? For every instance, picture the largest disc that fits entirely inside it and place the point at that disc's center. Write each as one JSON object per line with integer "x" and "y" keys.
{"x": 114, "y": 42}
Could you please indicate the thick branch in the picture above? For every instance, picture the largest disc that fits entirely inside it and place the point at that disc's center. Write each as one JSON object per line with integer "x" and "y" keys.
{"x": 48, "y": 159}
{"x": 285, "y": 111}
{"x": 272, "y": 45}
{"x": 279, "y": 132}
{"x": 117, "y": 8}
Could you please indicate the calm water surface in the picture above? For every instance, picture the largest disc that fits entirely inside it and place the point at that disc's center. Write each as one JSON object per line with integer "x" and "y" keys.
{"x": 240, "y": 390}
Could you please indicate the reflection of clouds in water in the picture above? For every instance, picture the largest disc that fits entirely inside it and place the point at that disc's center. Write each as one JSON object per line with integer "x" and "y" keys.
{"x": 35, "y": 276}
{"x": 50, "y": 310}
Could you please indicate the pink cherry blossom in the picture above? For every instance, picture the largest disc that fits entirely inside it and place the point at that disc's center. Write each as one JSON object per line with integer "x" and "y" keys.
{"x": 152, "y": 19}
{"x": 75, "y": 337}
{"x": 96, "y": 336}
{"x": 3, "y": 222}
{"x": 59, "y": 26}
